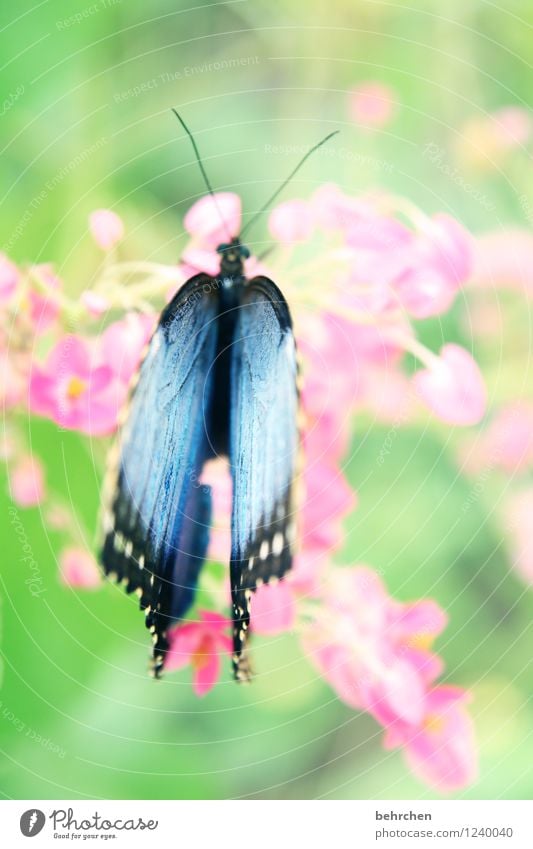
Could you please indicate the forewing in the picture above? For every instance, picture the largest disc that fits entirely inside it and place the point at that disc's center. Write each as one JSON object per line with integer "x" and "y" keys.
{"x": 263, "y": 450}
{"x": 156, "y": 518}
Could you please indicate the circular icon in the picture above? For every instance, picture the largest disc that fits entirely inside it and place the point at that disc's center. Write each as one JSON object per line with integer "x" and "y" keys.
{"x": 32, "y": 822}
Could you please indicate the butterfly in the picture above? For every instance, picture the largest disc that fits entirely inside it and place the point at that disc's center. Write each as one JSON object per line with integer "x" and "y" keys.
{"x": 219, "y": 378}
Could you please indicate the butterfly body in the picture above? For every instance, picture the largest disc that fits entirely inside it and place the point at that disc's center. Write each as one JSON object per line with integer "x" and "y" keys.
{"x": 219, "y": 378}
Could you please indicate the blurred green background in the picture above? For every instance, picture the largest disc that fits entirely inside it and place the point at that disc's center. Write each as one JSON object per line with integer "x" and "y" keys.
{"x": 91, "y": 127}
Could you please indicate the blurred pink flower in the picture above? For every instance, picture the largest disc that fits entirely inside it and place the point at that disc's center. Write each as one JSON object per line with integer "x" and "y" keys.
{"x": 9, "y": 278}
{"x": 335, "y": 210}
{"x": 44, "y": 306}
{"x": 200, "y": 643}
{"x": 387, "y": 393}
{"x": 214, "y": 220}
{"x": 512, "y": 126}
{"x": 107, "y": 228}
{"x": 13, "y": 369}
{"x": 453, "y": 388}
{"x": 507, "y": 443}
{"x": 437, "y": 263}
{"x": 351, "y": 643}
{"x": 27, "y": 481}
{"x": 78, "y": 568}
{"x": 273, "y": 609}
{"x": 440, "y": 750}
{"x": 504, "y": 259}
{"x": 123, "y": 342}
{"x": 518, "y": 514}
{"x": 195, "y": 259}
{"x": 216, "y": 474}
{"x": 372, "y": 104}
{"x": 96, "y": 305}
{"x": 73, "y": 393}
{"x": 412, "y": 628}
{"x": 292, "y": 221}
{"x": 328, "y": 498}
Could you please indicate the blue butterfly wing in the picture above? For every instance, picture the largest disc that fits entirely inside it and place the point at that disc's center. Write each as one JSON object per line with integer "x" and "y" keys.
{"x": 263, "y": 449}
{"x": 157, "y": 517}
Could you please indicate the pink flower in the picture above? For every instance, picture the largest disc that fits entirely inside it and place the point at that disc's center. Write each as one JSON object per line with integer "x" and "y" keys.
{"x": 96, "y": 305}
{"x": 200, "y": 643}
{"x": 518, "y": 512}
{"x": 196, "y": 259}
{"x": 123, "y": 342}
{"x": 27, "y": 482}
{"x": 505, "y": 259}
{"x": 9, "y": 278}
{"x": 453, "y": 387}
{"x": 328, "y": 499}
{"x": 441, "y": 750}
{"x": 73, "y": 393}
{"x": 291, "y": 222}
{"x": 43, "y": 304}
{"x": 412, "y": 628}
{"x": 13, "y": 369}
{"x": 107, "y": 228}
{"x": 372, "y": 104}
{"x": 360, "y": 653}
{"x": 273, "y": 609}
{"x": 216, "y": 474}
{"x": 507, "y": 444}
{"x": 213, "y": 221}
{"x": 78, "y": 568}
{"x": 440, "y": 261}
{"x": 512, "y": 126}
{"x": 334, "y": 210}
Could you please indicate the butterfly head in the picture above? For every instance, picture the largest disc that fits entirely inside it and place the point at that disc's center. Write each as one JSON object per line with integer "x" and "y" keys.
{"x": 232, "y": 256}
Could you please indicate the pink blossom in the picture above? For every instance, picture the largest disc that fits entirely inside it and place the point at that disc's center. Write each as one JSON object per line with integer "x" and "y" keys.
{"x": 504, "y": 259}
{"x": 73, "y": 393}
{"x": 195, "y": 259}
{"x": 43, "y": 304}
{"x": 387, "y": 394}
{"x": 328, "y": 499}
{"x": 291, "y": 222}
{"x": 123, "y": 342}
{"x": 334, "y": 210}
{"x": 453, "y": 387}
{"x": 200, "y": 643}
{"x": 27, "y": 481}
{"x": 437, "y": 264}
{"x": 412, "y": 628}
{"x": 9, "y": 278}
{"x": 78, "y": 568}
{"x": 518, "y": 513}
{"x": 507, "y": 443}
{"x": 212, "y": 221}
{"x": 441, "y": 749}
{"x": 512, "y": 126}
{"x": 372, "y": 104}
{"x": 216, "y": 474}
{"x": 273, "y": 609}
{"x": 107, "y": 228}
{"x": 95, "y": 304}
{"x": 13, "y": 369}
{"x": 350, "y": 643}
{"x": 330, "y": 386}
{"x": 309, "y": 569}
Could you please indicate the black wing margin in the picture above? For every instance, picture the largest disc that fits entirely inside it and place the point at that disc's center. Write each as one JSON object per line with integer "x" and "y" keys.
{"x": 263, "y": 451}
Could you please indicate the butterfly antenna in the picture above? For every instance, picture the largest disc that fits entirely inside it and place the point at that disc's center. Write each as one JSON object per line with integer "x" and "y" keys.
{"x": 285, "y": 183}
{"x": 202, "y": 169}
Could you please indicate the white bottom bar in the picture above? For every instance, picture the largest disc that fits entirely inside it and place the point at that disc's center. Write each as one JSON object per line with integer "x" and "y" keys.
{"x": 268, "y": 824}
